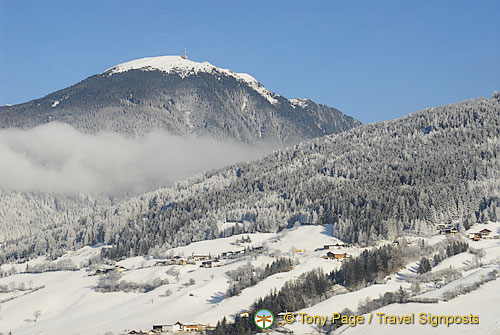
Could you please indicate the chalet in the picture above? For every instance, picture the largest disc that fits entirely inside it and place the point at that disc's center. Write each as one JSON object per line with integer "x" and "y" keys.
{"x": 491, "y": 237}
{"x": 200, "y": 257}
{"x": 395, "y": 243}
{"x": 120, "y": 268}
{"x": 485, "y": 232}
{"x": 260, "y": 248}
{"x": 103, "y": 269}
{"x": 245, "y": 314}
{"x": 227, "y": 254}
{"x": 448, "y": 231}
{"x": 163, "y": 262}
{"x": 180, "y": 261}
{"x": 210, "y": 264}
{"x": 331, "y": 255}
{"x": 193, "y": 327}
{"x": 177, "y": 261}
{"x": 331, "y": 246}
{"x": 176, "y": 327}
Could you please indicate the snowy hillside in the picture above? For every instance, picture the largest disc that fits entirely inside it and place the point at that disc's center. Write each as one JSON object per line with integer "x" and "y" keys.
{"x": 68, "y": 300}
{"x": 71, "y": 300}
{"x": 482, "y": 301}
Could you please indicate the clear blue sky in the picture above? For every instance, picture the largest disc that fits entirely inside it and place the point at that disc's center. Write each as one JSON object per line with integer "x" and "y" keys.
{"x": 374, "y": 60}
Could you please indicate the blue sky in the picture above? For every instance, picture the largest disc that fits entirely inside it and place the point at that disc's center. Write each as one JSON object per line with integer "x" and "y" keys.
{"x": 374, "y": 60}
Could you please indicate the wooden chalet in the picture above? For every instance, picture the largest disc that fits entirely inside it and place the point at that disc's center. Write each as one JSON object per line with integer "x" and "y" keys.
{"x": 485, "y": 232}
{"x": 334, "y": 256}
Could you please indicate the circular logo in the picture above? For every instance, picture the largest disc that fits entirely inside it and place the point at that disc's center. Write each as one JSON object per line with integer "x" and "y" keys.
{"x": 263, "y": 318}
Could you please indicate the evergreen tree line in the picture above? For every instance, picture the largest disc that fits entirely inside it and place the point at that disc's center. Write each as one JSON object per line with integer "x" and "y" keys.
{"x": 368, "y": 267}
{"x": 314, "y": 286}
{"x": 452, "y": 249}
{"x": 424, "y": 265}
{"x": 111, "y": 283}
{"x": 247, "y": 275}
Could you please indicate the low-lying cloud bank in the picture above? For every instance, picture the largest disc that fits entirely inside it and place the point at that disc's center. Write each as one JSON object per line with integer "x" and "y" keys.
{"x": 57, "y": 158}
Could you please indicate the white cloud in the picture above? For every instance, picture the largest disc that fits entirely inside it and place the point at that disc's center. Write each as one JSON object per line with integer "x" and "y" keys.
{"x": 56, "y": 157}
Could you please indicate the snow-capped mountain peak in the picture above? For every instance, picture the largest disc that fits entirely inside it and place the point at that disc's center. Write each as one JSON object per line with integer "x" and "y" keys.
{"x": 185, "y": 67}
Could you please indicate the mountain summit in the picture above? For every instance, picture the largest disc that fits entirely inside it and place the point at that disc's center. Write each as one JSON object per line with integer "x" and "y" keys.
{"x": 185, "y": 67}
{"x": 182, "y": 97}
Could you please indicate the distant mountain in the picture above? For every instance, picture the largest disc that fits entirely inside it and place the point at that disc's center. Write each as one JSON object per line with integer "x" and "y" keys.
{"x": 182, "y": 97}
{"x": 440, "y": 165}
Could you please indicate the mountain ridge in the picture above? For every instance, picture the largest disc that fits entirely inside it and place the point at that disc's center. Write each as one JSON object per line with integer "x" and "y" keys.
{"x": 181, "y": 97}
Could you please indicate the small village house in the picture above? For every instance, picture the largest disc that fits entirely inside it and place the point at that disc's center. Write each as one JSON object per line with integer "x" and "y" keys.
{"x": 163, "y": 262}
{"x": 200, "y": 257}
{"x": 120, "y": 268}
{"x": 176, "y": 327}
{"x": 335, "y": 245}
{"x": 485, "y": 232}
{"x": 211, "y": 264}
{"x": 335, "y": 256}
{"x": 193, "y": 327}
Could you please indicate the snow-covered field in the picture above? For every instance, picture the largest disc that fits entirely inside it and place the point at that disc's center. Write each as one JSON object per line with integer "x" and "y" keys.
{"x": 68, "y": 302}
{"x": 482, "y": 302}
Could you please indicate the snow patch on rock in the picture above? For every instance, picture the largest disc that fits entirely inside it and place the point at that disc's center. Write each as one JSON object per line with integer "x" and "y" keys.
{"x": 298, "y": 102}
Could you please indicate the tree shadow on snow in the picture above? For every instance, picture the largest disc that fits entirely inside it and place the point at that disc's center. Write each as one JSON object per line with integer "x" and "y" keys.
{"x": 217, "y": 297}
{"x": 328, "y": 230}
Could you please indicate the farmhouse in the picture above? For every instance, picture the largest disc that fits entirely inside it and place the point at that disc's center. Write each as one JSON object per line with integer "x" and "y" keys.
{"x": 193, "y": 327}
{"x": 485, "y": 232}
{"x": 120, "y": 268}
{"x": 176, "y": 327}
{"x": 331, "y": 246}
{"x": 103, "y": 269}
{"x": 226, "y": 254}
{"x": 210, "y": 264}
{"x": 200, "y": 257}
{"x": 448, "y": 231}
{"x": 331, "y": 255}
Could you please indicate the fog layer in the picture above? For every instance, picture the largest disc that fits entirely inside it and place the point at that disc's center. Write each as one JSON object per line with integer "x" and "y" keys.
{"x": 56, "y": 157}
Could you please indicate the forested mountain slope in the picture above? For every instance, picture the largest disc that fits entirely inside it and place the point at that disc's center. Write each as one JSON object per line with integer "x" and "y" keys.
{"x": 181, "y": 97}
{"x": 169, "y": 94}
{"x": 374, "y": 181}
